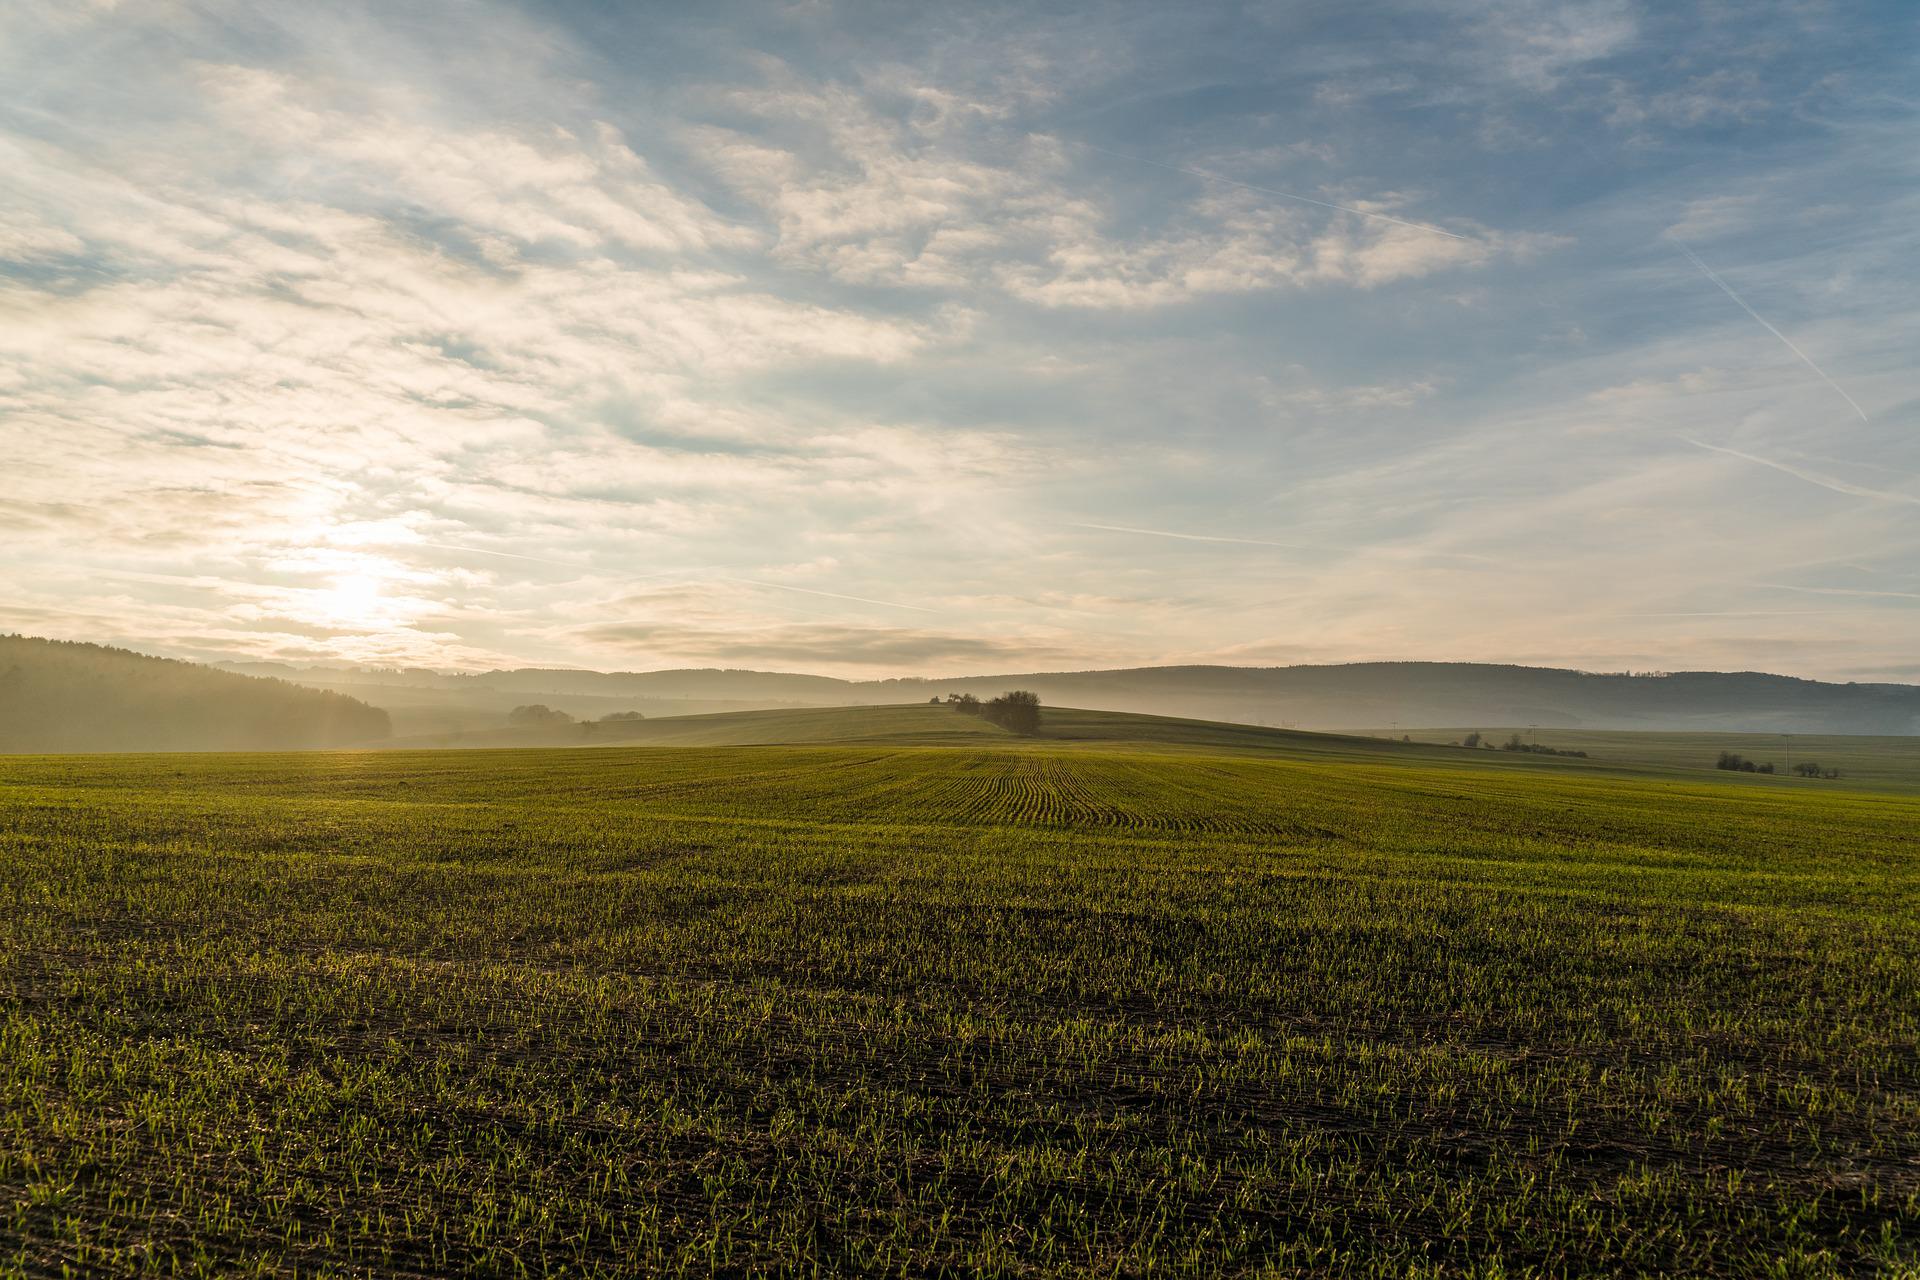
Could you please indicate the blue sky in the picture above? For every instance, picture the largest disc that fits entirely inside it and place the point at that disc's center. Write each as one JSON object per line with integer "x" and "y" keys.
{"x": 868, "y": 340}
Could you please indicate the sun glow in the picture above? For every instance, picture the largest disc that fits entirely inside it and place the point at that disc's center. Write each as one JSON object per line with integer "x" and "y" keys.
{"x": 353, "y": 591}
{"x": 353, "y": 600}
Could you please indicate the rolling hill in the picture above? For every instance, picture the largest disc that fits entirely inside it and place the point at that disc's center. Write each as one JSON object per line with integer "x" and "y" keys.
{"x": 57, "y": 696}
{"x": 1349, "y": 696}
{"x": 915, "y": 725}
{"x": 1871, "y": 762}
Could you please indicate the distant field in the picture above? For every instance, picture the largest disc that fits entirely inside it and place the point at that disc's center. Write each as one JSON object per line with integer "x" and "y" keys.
{"x": 1861, "y": 760}
{"x": 1207, "y": 1006}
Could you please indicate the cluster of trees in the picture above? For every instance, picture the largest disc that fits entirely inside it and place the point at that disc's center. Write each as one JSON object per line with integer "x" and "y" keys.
{"x": 1016, "y": 711}
{"x": 1738, "y": 763}
{"x": 538, "y": 715}
{"x": 66, "y": 696}
{"x": 1515, "y": 743}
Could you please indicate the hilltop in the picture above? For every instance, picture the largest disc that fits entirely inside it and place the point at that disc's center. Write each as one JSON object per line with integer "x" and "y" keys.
{"x": 920, "y": 725}
{"x": 60, "y": 696}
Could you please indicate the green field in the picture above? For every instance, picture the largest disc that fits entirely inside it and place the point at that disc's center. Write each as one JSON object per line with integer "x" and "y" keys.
{"x": 1127, "y": 1001}
{"x": 1874, "y": 763}
{"x": 1861, "y": 761}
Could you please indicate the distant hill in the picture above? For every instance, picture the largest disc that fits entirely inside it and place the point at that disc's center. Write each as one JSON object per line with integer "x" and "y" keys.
{"x": 1371, "y": 695}
{"x": 919, "y": 724}
{"x": 1379, "y": 695}
{"x": 435, "y": 702}
{"x": 57, "y": 696}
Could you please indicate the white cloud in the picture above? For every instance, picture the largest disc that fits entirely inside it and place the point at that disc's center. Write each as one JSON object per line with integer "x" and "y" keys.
{"x": 873, "y": 200}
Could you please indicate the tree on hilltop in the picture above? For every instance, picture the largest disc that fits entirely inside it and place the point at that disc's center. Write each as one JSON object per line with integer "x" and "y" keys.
{"x": 1017, "y": 712}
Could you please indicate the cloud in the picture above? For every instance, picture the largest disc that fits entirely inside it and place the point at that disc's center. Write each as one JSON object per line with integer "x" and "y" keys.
{"x": 1248, "y": 249}
{"x": 443, "y": 338}
{"x": 813, "y": 645}
{"x": 1537, "y": 42}
{"x": 871, "y": 199}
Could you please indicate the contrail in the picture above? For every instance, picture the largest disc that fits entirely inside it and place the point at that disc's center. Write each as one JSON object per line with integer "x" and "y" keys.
{"x": 509, "y": 555}
{"x": 1285, "y": 195}
{"x": 1762, "y": 320}
{"x": 1189, "y": 537}
{"x": 1746, "y": 613}
{"x": 1834, "y": 483}
{"x": 1844, "y": 591}
{"x": 1389, "y": 552}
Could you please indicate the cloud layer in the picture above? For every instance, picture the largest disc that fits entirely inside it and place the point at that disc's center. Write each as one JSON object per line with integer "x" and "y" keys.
{"x": 495, "y": 334}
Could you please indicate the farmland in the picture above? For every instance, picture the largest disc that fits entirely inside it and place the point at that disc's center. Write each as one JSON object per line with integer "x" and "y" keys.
{"x": 1880, "y": 763}
{"x": 1174, "y": 1003}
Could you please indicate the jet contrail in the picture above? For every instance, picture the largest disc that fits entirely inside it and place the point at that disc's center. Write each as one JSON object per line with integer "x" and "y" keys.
{"x": 1762, "y": 320}
{"x": 1323, "y": 550}
{"x": 1834, "y": 483}
{"x": 1746, "y": 613}
{"x": 1843, "y": 591}
{"x": 1284, "y": 195}
{"x": 510, "y": 555}
{"x": 1189, "y": 537}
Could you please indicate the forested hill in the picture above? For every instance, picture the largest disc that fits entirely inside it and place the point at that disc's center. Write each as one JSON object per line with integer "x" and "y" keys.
{"x": 57, "y": 696}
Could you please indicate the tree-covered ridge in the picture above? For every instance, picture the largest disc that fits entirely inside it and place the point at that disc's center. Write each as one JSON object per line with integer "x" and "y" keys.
{"x": 60, "y": 695}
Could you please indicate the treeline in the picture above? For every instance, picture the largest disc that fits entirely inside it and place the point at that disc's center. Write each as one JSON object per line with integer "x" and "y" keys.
{"x": 58, "y": 695}
{"x": 1737, "y": 763}
{"x": 1516, "y": 743}
{"x": 1017, "y": 711}
{"x": 538, "y": 715}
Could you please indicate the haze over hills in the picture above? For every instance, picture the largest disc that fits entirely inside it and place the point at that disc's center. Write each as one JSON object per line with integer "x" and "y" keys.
{"x": 58, "y": 696}
{"x": 1374, "y": 695}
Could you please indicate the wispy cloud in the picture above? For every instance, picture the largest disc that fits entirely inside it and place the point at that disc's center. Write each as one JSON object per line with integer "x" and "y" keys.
{"x": 1189, "y": 537}
{"x": 830, "y": 595}
{"x": 1202, "y": 174}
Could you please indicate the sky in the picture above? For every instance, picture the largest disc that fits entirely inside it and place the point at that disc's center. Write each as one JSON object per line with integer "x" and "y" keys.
{"x": 873, "y": 339}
